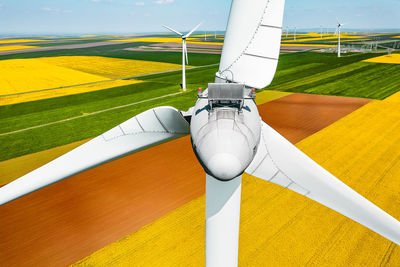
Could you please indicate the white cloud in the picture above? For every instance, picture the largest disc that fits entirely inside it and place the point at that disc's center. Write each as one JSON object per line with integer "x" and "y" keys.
{"x": 139, "y": 3}
{"x": 164, "y": 2}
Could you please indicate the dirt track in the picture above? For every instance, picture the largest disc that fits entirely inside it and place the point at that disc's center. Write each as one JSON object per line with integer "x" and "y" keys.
{"x": 67, "y": 221}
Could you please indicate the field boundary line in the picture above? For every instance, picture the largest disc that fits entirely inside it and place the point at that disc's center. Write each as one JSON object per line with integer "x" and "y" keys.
{"x": 89, "y": 114}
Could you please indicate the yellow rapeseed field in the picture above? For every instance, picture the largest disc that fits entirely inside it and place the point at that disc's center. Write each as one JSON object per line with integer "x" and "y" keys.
{"x": 19, "y": 98}
{"x": 26, "y": 75}
{"x": 151, "y": 39}
{"x": 23, "y": 80}
{"x": 15, "y": 47}
{"x": 390, "y": 59}
{"x": 327, "y": 37}
{"x": 14, "y": 41}
{"x": 395, "y": 98}
{"x": 164, "y": 40}
{"x": 268, "y": 95}
{"x": 110, "y": 67}
{"x": 281, "y": 228}
{"x": 310, "y": 45}
{"x": 344, "y": 41}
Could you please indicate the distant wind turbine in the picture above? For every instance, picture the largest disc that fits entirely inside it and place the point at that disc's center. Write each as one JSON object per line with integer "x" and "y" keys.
{"x": 184, "y": 52}
{"x": 339, "y": 25}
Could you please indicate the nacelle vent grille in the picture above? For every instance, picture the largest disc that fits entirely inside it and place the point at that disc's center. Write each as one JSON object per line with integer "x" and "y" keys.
{"x": 226, "y": 91}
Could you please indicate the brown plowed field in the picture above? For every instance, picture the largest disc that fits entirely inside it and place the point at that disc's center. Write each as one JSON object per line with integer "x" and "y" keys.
{"x": 297, "y": 116}
{"x": 65, "y": 222}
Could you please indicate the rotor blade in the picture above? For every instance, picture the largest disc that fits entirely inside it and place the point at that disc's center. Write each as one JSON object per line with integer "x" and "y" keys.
{"x": 195, "y": 28}
{"x": 252, "y": 43}
{"x": 222, "y": 221}
{"x": 144, "y": 130}
{"x": 172, "y": 30}
{"x": 280, "y": 162}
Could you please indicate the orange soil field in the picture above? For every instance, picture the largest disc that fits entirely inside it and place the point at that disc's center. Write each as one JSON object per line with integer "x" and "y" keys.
{"x": 67, "y": 221}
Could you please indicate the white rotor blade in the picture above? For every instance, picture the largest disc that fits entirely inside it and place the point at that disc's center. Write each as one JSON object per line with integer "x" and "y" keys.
{"x": 172, "y": 30}
{"x": 280, "y": 162}
{"x": 144, "y": 130}
{"x": 222, "y": 221}
{"x": 252, "y": 43}
{"x": 195, "y": 28}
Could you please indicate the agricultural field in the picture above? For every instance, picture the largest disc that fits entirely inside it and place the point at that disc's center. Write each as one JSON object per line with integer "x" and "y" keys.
{"x": 63, "y": 91}
{"x": 113, "y": 68}
{"x": 351, "y": 76}
{"x": 295, "y": 230}
{"x": 15, "y": 47}
{"x": 45, "y": 122}
{"x": 55, "y": 99}
{"x": 386, "y": 59}
{"x": 167, "y": 40}
{"x": 16, "y": 41}
{"x": 27, "y": 75}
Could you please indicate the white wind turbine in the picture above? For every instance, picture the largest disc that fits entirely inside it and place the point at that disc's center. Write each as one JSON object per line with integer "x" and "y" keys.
{"x": 185, "y": 59}
{"x": 228, "y": 137}
{"x": 338, "y": 31}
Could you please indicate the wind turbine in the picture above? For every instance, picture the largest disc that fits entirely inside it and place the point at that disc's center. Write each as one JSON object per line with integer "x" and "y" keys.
{"x": 228, "y": 137}
{"x": 185, "y": 58}
{"x": 338, "y": 29}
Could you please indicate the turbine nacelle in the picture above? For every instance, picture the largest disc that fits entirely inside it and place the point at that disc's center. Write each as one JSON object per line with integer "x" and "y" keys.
{"x": 225, "y": 130}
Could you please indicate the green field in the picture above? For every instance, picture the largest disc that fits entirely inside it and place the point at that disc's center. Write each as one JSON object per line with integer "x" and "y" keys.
{"x": 306, "y": 72}
{"x": 325, "y": 74}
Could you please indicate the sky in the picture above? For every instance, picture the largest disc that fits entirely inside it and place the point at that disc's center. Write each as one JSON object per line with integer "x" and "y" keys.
{"x": 139, "y": 16}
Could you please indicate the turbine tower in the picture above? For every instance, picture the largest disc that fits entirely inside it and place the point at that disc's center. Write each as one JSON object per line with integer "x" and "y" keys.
{"x": 228, "y": 138}
{"x": 185, "y": 58}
